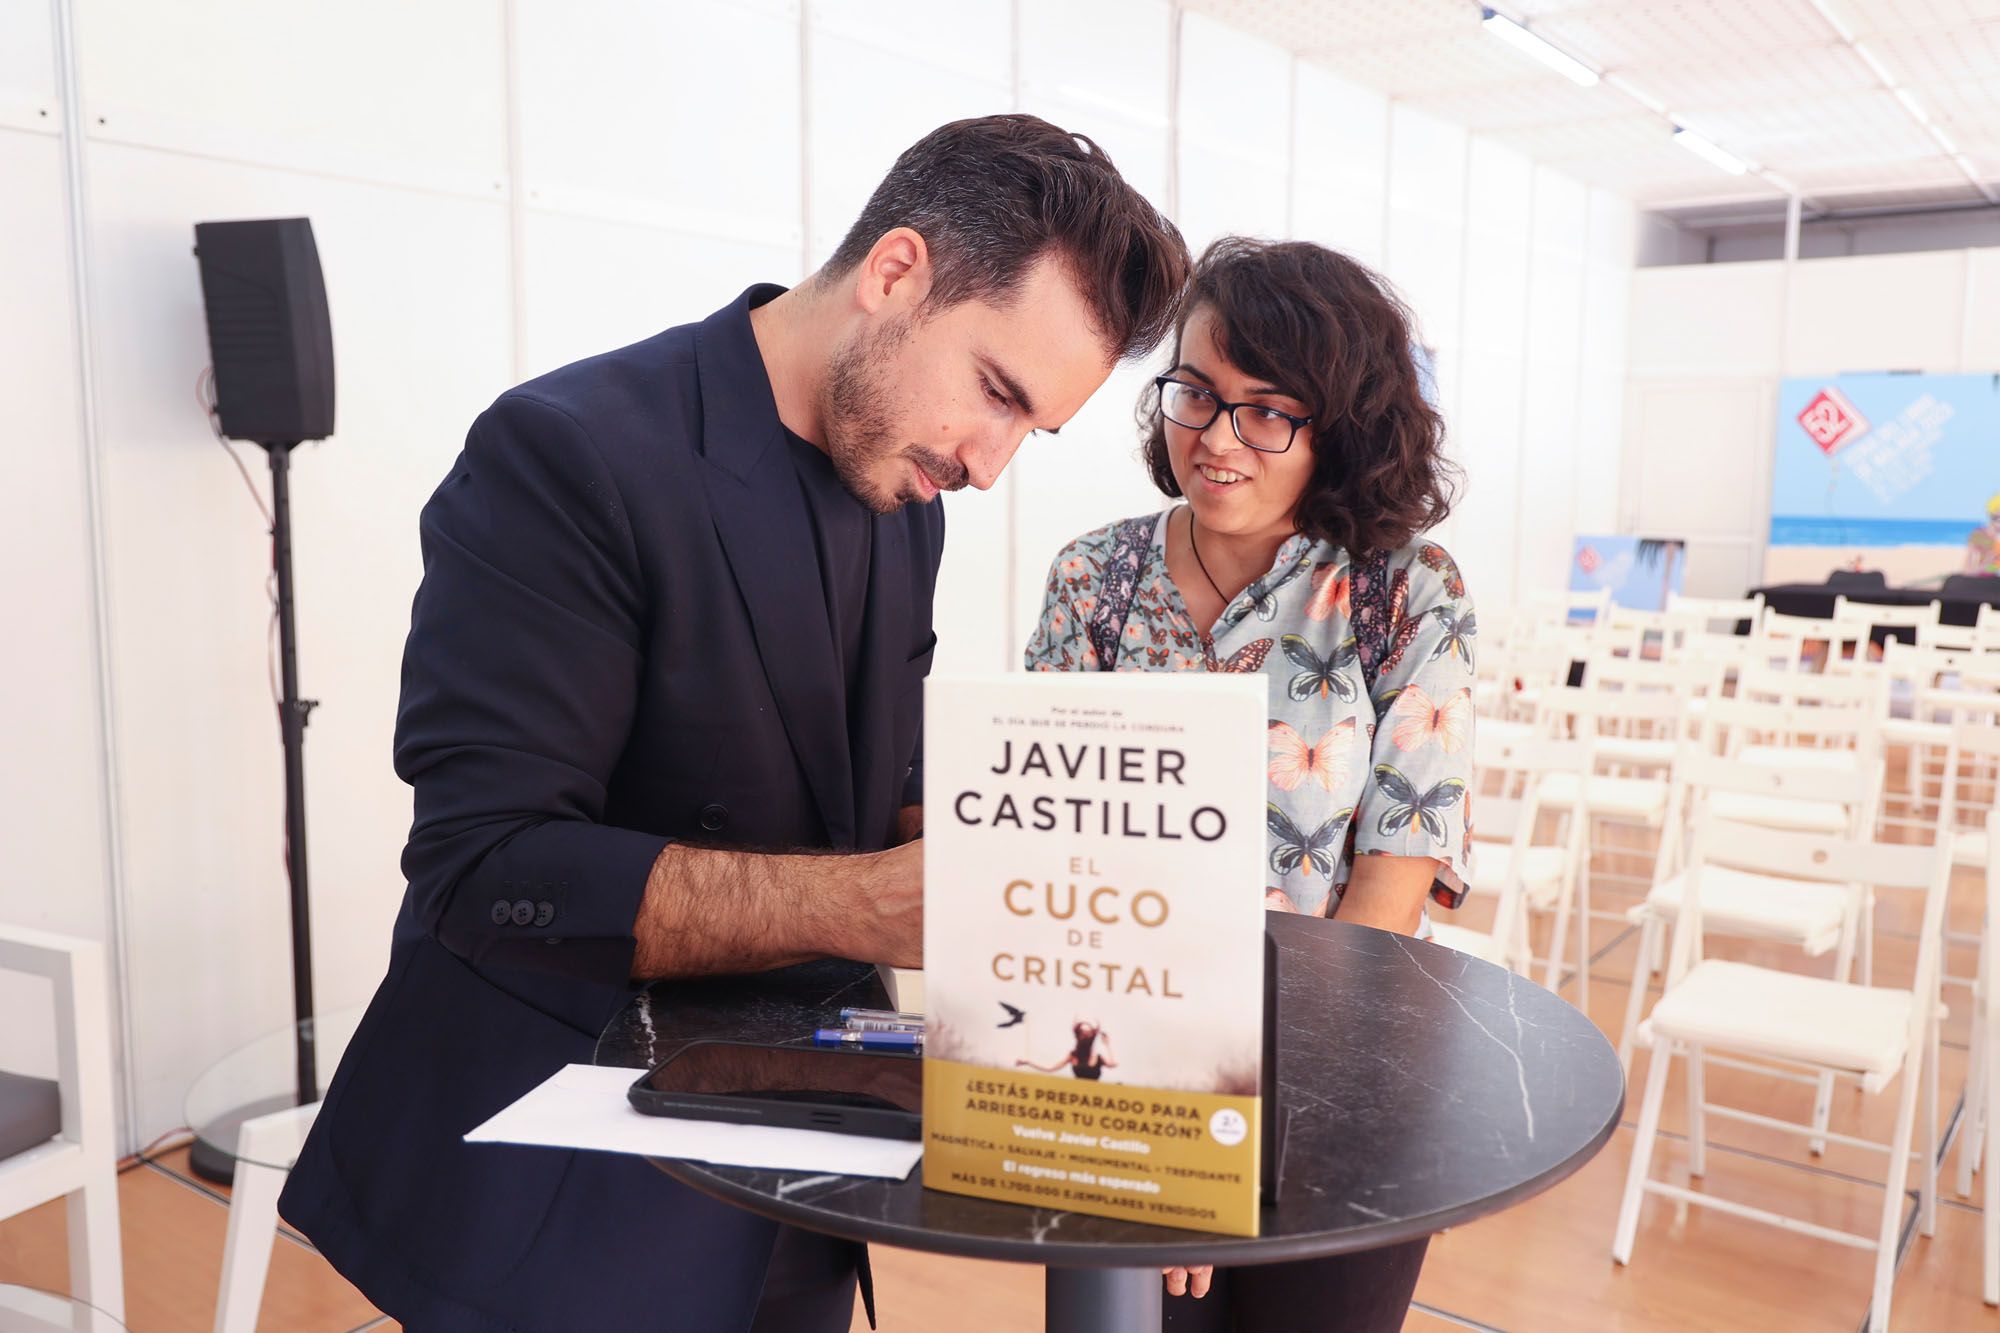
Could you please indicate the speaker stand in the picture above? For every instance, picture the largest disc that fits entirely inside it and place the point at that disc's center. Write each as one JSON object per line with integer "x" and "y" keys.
{"x": 207, "y": 1160}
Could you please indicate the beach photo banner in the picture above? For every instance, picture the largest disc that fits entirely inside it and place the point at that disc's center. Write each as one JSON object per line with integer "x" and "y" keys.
{"x": 1894, "y": 472}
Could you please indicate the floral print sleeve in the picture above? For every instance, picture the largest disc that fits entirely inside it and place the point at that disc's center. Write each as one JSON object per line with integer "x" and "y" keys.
{"x": 1061, "y": 640}
{"x": 1417, "y": 800}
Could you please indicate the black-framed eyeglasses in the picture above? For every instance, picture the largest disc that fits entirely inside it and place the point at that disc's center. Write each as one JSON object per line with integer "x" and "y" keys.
{"x": 1265, "y": 429}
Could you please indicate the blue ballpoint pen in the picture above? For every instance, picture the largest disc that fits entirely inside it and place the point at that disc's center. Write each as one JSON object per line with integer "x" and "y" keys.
{"x": 869, "y": 1041}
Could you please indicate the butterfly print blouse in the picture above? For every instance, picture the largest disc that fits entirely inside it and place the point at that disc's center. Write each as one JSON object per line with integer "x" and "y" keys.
{"x": 1351, "y": 771}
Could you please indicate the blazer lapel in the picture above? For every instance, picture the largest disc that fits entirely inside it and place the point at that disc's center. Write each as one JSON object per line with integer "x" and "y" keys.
{"x": 760, "y": 516}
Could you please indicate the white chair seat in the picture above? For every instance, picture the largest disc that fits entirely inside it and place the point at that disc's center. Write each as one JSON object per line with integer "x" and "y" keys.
{"x": 1765, "y": 907}
{"x": 1638, "y": 751}
{"x": 1475, "y": 942}
{"x": 1780, "y": 812}
{"x": 1969, "y": 849}
{"x": 1629, "y": 798}
{"x": 1759, "y": 1011}
{"x": 1541, "y": 870}
{"x": 1800, "y": 756}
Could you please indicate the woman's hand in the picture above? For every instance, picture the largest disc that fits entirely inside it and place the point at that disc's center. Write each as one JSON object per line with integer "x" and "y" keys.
{"x": 1189, "y": 1281}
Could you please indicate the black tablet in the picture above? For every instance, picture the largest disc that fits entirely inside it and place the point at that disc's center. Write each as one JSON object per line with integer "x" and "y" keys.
{"x": 875, "y": 1093}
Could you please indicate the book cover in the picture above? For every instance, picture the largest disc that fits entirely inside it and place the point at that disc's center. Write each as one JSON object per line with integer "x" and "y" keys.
{"x": 1094, "y": 943}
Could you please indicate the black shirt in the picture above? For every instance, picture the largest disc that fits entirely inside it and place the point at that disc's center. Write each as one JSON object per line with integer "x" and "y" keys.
{"x": 843, "y": 533}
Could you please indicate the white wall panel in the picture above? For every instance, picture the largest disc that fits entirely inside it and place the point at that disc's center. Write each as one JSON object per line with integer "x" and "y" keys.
{"x": 28, "y": 68}
{"x": 1699, "y": 452}
{"x": 1121, "y": 104}
{"x": 970, "y": 38}
{"x": 1982, "y": 312}
{"x": 1703, "y": 320}
{"x": 1607, "y": 289}
{"x": 1340, "y": 167}
{"x": 52, "y": 823}
{"x": 1877, "y": 312}
{"x": 378, "y": 89}
{"x": 591, "y": 286}
{"x": 1235, "y": 133}
{"x": 632, "y": 110}
{"x": 420, "y": 325}
{"x": 1492, "y": 363}
{"x": 1549, "y": 444}
{"x": 1426, "y": 238}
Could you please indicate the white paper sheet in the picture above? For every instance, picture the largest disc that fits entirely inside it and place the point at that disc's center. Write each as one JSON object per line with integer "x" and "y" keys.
{"x": 584, "y": 1106}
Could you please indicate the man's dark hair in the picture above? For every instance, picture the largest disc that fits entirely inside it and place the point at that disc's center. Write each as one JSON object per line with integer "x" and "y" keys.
{"x": 1330, "y": 333}
{"x": 993, "y": 195}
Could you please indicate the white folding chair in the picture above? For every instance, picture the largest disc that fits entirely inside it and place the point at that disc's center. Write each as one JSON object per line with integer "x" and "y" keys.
{"x": 1794, "y": 641}
{"x": 1880, "y": 615}
{"x": 1719, "y": 615}
{"x": 1814, "y": 917}
{"x": 1688, "y": 679}
{"x": 1876, "y": 1035}
{"x": 1584, "y": 712}
{"x": 1965, "y": 824}
{"x": 71, "y": 1154}
{"x": 1524, "y": 874}
{"x": 1988, "y": 1048}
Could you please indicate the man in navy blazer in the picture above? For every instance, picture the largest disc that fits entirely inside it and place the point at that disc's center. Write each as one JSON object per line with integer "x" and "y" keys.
{"x": 667, "y": 654}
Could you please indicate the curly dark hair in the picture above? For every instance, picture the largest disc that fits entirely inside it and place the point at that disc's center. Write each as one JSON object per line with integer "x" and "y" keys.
{"x": 1331, "y": 333}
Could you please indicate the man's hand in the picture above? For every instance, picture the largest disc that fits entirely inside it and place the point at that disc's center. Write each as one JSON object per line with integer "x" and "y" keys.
{"x": 1189, "y": 1281}
{"x": 887, "y": 916}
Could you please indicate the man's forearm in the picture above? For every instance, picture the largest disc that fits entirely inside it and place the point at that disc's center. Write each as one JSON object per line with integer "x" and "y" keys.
{"x": 709, "y": 911}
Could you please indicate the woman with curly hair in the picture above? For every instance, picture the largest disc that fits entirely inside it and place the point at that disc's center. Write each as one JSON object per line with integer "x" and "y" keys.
{"x": 1294, "y": 430}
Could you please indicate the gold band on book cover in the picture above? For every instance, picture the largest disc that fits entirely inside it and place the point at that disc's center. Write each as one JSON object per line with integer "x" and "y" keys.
{"x": 1181, "y": 1159}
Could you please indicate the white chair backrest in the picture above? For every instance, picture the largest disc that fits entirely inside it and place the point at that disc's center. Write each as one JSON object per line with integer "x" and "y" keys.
{"x": 1793, "y": 638}
{"x": 1730, "y": 724}
{"x": 1864, "y": 691}
{"x": 1873, "y": 614}
{"x": 1816, "y": 857}
{"x": 1506, "y": 781}
{"x": 1717, "y": 614}
{"x": 1590, "y": 711}
{"x": 1971, "y": 774}
{"x": 1952, "y": 638}
{"x": 1687, "y": 675}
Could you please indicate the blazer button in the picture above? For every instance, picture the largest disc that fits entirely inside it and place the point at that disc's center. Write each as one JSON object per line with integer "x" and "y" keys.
{"x": 544, "y": 913}
{"x": 713, "y": 817}
{"x": 502, "y": 911}
{"x": 524, "y": 912}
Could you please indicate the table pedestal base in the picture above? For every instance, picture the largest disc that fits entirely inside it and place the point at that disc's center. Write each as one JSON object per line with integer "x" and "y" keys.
{"x": 1103, "y": 1300}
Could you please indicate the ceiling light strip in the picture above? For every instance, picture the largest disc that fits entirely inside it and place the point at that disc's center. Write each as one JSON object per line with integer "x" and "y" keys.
{"x": 1906, "y": 99}
{"x": 1521, "y": 38}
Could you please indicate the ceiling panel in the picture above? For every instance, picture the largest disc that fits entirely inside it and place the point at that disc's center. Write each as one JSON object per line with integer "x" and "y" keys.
{"x": 1771, "y": 81}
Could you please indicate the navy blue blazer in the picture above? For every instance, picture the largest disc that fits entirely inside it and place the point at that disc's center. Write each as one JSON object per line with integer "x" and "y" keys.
{"x": 620, "y": 639}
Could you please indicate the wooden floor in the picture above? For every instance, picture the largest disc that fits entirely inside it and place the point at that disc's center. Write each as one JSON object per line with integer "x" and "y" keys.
{"x": 1544, "y": 1267}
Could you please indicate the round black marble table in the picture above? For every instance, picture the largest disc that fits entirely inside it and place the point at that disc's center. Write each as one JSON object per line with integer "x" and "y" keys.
{"x": 1423, "y": 1089}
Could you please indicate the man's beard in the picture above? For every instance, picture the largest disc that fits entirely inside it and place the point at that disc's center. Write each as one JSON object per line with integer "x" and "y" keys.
{"x": 862, "y": 428}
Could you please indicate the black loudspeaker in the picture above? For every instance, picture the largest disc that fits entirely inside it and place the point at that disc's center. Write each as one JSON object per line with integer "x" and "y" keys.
{"x": 268, "y": 331}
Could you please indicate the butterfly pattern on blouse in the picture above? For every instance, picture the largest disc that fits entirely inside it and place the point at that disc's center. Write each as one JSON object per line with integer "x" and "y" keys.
{"x": 1249, "y": 658}
{"x": 1294, "y": 763}
{"x": 1458, "y": 633}
{"x": 1409, "y": 809}
{"x": 1435, "y": 557}
{"x": 1292, "y": 850}
{"x": 1332, "y": 591}
{"x": 1323, "y": 677}
{"x": 1420, "y": 720}
{"x": 1370, "y": 626}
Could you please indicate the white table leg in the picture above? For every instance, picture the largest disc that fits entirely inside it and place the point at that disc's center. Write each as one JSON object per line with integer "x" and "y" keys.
{"x": 253, "y": 1213}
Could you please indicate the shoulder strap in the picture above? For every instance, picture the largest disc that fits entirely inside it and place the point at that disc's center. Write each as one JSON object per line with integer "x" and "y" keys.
{"x": 1119, "y": 585}
{"x": 1371, "y": 615}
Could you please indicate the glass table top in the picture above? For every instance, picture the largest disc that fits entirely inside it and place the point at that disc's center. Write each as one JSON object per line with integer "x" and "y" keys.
{"x": 259, "y": 1078}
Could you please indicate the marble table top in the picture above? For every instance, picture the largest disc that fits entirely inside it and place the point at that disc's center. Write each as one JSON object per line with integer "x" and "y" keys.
{"x": 1424, "y": 1089}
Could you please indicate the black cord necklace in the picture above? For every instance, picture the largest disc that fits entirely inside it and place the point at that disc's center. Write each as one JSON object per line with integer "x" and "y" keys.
{"x": 1199, "y": 563}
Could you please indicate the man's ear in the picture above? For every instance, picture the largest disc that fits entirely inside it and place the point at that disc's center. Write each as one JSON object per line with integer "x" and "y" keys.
{"x": 896, "y": 275}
